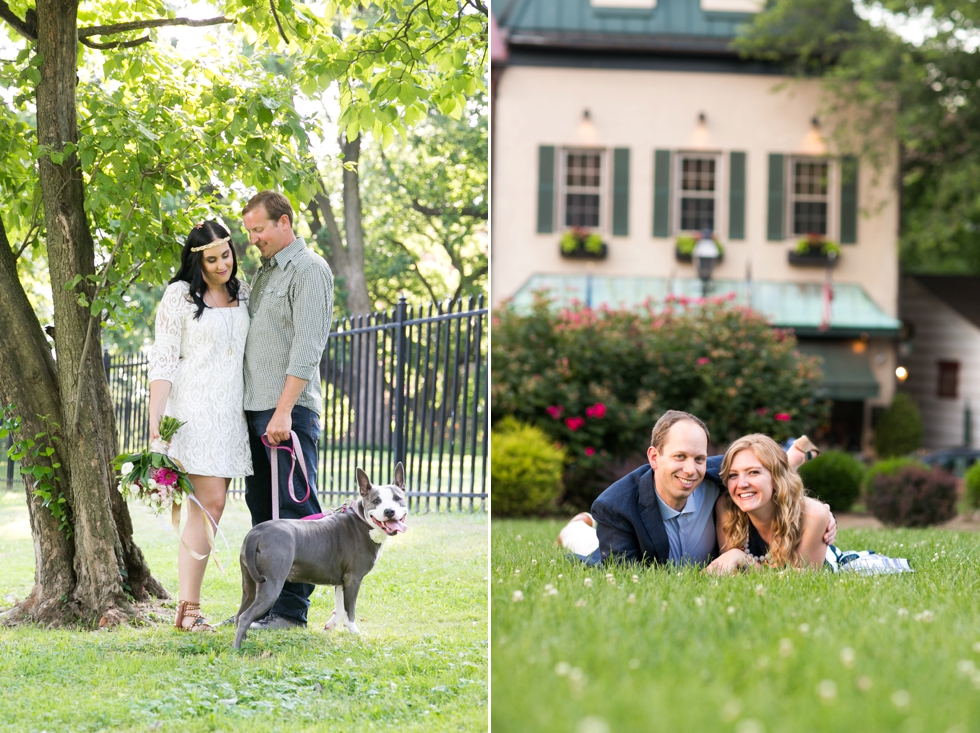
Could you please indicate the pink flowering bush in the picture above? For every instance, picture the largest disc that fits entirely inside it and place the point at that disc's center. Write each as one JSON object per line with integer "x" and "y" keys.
{"x": 596, "y": 380}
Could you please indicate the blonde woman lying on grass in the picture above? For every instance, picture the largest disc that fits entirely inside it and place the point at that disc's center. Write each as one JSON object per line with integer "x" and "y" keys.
{"x": 766, "y": 518}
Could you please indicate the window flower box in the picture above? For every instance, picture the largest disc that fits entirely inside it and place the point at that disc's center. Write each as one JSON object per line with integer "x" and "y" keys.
{"x": 684, "y": 247}
{"x": 581, "y": 244}
{"x": 815, "y": 252}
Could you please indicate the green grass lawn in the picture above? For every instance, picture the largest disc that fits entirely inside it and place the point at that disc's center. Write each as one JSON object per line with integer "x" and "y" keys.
{"x": 673, "y": 650}
{"x": 420, "y": 663}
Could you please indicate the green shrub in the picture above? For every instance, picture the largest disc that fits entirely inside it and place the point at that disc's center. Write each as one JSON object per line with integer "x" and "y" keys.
{"x": 596, "y": 380}
{"x": 835, "y": 478}
{"x": 913, "y": 497}
{"x": 888, "y": 467}
{"x": 899, "y": 429}
{"x": 525, "y": 467}
{"x": 972, "y": 481}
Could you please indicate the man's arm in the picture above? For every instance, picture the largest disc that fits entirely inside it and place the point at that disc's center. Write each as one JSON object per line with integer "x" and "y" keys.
{"x": 282, "y": 419}
{"x": 617, "y": 538}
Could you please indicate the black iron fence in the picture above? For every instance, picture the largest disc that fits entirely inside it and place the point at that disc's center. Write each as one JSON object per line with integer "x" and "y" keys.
{"x": 405, "y": 385}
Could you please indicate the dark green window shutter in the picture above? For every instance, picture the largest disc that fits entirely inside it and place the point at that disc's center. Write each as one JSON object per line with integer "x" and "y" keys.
{"x": 621, "y": 192}
{"x": 774, "y": 222}
{"x": 661, "y": 193}
{"x": 546, "y": 189}
{"x": 736, "y": 196}
{"x": 848, "y": 200}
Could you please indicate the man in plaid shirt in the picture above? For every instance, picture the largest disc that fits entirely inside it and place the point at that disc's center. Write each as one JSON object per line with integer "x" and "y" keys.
{"x": 290, "y": 306}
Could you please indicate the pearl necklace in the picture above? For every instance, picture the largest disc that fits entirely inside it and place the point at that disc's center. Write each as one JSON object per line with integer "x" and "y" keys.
{"x": 761, "y": 559}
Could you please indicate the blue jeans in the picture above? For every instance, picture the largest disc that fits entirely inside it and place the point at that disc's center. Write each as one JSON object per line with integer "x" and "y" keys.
{"x": 294, "y": 601}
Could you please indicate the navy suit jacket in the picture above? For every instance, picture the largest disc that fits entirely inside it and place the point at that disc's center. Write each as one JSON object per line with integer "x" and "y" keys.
{"x": 630, "y": 524}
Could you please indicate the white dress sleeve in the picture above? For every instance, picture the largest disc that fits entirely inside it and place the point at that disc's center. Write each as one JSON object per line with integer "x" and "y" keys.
{"x": 165, "y": 353}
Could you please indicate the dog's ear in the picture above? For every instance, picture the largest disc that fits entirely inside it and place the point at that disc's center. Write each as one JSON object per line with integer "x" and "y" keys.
{"x": 400, "y": 476}
{"x": 363, "y": 482}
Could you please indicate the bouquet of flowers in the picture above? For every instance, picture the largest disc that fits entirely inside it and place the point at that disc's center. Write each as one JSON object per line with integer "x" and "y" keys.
{"x": 152, "y": 476}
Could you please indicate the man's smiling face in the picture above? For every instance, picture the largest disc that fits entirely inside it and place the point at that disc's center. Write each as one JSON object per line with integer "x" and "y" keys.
{"x": 678, "y": 467}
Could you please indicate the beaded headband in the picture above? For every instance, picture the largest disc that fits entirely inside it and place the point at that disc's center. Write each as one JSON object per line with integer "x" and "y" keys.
{"x": 215, "y": 243}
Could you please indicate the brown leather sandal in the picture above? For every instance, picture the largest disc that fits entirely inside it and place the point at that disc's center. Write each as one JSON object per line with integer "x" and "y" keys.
{"x": 191, "y": 609}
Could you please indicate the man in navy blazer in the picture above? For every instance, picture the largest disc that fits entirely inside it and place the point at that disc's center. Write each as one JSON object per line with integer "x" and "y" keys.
{"x": 664, "y": 511}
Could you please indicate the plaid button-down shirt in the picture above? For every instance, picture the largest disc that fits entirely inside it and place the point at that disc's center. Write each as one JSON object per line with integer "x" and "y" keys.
{"x": 291, "y": 307}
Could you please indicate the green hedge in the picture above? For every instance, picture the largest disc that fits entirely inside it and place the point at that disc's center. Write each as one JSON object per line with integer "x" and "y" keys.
{"x": 899, "y": 429}
{"x": 972, "y": 480}
{"x": 525, "y": 469}
{"x": 913, "y": 497}
{"x": 596, "y": 380}
{"x": 835, "y": 478}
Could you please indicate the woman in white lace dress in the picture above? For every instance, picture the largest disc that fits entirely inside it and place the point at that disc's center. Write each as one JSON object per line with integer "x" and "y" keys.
{"x": 196, "y": 376}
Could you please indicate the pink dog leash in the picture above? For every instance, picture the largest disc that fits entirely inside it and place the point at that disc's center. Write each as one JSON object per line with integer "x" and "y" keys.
{"x": 295, "y": 452}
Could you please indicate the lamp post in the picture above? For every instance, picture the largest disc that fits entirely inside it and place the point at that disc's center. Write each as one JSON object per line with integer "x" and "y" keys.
{"x": 705, "y": 258}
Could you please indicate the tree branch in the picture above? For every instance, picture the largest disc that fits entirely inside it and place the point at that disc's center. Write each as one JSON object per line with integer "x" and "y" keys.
{"x": 478, "y": 5}
{"x": 432, "y": 293}
{"x": 114, "y": 44}
{"x": 275, "y": 15}
{"x": 24, "y": 27}
{"x": 474, "y": 211}
{"x": 140, "y": 25}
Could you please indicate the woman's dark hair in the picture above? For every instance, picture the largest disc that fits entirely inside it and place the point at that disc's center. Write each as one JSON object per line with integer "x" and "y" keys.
{"x": 191, "y": 270}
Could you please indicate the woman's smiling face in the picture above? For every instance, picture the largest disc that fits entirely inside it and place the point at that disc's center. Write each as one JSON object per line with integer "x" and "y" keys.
{"x": 217, "y": 264}
{"x": 749, "y": 482}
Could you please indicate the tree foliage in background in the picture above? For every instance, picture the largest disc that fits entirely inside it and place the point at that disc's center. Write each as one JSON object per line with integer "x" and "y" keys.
{"x": 112, "y": 146}
{"x": 428, "y": 201}
{"x": 925, "y": 96}
{"x": 597, "y": 380}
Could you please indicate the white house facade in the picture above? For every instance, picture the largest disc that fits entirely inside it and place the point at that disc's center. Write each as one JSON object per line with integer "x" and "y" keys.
{"x": 632, "y": 121}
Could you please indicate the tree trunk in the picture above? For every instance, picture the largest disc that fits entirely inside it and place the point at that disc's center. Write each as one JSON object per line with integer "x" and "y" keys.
{"x": 29, "y": 380}
{"x": 359, "y": 302}
{"x": 100, "y": 550}
{"x": 361, "y": 377}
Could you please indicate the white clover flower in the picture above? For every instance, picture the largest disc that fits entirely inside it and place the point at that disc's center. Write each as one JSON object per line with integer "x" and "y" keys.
{"x": 827, "y": 690}
{"x": 901, "y": 698}
{"x": 636, "y": 578}
{"x": 580, "y": 603}
{"x": 632, "y": 598}
{"x": 588, "y": 582}
{"x": 517, "y": 597}
{"x": 847, "y": 657}
{"x": 699, "y": 601}
{"x": 562, "y": 668}
{"x": 863, "y": 683}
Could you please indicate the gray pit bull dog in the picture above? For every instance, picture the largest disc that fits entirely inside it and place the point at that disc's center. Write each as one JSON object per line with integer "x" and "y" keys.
{"x": 338, "y": 549}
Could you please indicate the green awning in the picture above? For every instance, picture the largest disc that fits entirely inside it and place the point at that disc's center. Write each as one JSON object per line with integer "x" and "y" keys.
{"x": 786, "y": 305}
{"x": 846, "y": 375}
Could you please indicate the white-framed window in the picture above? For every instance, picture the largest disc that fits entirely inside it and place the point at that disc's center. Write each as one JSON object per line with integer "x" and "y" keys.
{"x": 810, "y": 202}
{"x": 733, "y": 6}
{"x": 698, "y": 199}
{"x": 628, "y": 4}
{"x": 583, "y": 181}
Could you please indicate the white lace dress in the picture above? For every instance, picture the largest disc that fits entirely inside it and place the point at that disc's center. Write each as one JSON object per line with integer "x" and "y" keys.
{"x": 202, "y": 360}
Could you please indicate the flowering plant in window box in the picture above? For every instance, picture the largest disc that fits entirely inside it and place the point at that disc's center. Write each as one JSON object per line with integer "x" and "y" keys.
{"x": 685, "y": 243}
{"x": 815, "y": 251}
{"x": 580, "y": 243}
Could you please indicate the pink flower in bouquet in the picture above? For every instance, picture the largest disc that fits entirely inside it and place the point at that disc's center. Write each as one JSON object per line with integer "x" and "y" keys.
{"x": 574, "y": 423}
{"x": 782, "y": 416}
{"x": 166, "y": 477}
{"x": 589, "y": 451}
{"x": 555, "y": 411}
